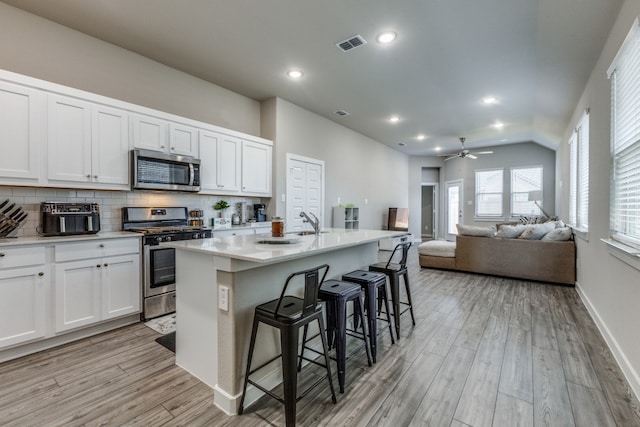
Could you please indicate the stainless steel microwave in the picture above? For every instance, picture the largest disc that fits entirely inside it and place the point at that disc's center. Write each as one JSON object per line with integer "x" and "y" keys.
{"x": 159, "y": 171}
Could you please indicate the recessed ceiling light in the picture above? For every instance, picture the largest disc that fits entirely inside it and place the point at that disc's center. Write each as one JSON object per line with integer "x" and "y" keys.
{"x": 504, "y": 140}
{"x": 295, "y": 74}
{"x": 438, "y": 148}
{"x": 386, "y": 37}
{"x": 421, "y": 137}
{"x": 490, "y": 100}
{"x": 402, "y": 144}
{"x": 498, "y": 125}
{"x": 394, "y": 119}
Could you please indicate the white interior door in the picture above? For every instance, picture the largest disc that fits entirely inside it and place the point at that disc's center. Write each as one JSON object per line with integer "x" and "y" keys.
{"x": 305, "y": 191}
{"x": 454, "y": 207}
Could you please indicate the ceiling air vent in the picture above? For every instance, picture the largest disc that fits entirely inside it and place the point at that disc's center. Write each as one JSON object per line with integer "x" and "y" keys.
{"x": 351, "y": 43}
{"x": 341, "y": 113}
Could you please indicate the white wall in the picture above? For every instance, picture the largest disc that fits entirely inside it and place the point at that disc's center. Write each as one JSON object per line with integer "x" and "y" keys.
{"x": 610, "y": 287}
{"x": 356, "y": 167}
{"x": 39, "y": 48}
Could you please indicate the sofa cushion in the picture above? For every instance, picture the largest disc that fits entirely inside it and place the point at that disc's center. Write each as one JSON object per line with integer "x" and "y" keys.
{"x": 559, "y": 234}
{"x": 474, "y": 230}
{"x": 537, "y": 231}
{"x": 511, "y": 231}
{"x": 438, "y": 248}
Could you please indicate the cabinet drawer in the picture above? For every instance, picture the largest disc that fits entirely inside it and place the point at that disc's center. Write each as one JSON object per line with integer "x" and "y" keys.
{"x": 95, "y": 249}
{"x": 21, "y": 257}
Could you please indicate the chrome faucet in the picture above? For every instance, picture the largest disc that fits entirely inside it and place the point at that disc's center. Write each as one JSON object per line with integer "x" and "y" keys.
{"x": 315, "y": 222}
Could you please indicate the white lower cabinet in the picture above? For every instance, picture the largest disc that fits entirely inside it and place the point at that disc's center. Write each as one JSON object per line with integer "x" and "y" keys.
{"x": 23, "y": 296}
{"x": 91, "y": 290}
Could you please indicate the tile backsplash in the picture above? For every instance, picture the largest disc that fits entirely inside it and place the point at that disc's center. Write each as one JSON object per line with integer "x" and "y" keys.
{"x": 111, "y": 202}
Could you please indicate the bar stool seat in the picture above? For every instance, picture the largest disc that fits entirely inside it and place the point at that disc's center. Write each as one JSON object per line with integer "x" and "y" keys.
{"x": 375, "y": 289}
{"x": 395, "y": 271}
{"x": 289, "y": 314}
{"x": 336, "y": 295}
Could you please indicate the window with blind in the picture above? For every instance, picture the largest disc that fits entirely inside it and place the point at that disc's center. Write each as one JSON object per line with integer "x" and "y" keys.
{"x": 624, "y": 74}
{"x": 489, "y": 193}
{"x": 523, "y": 181}
{"x": 579, "y": 176}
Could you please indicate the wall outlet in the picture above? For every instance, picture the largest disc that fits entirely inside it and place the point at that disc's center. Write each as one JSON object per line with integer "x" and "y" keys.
{"x": 223, "y": 298}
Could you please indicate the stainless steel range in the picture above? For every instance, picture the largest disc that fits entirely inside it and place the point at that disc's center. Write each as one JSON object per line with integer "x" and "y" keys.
{"x": 159, "y": 263}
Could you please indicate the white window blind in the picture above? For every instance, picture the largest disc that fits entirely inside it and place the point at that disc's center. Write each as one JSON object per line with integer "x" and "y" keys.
{"x": 625, "y": 140}
{"x": 489, "y": 185}
{"x": 579, "y": 176}
{"x": 523, "y": 181}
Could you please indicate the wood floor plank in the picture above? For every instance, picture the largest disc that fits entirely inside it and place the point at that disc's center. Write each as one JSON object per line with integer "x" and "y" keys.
{"x": 471, "y": 333}
{"x": 442, "y": 340}
{"x": 477, "y": 402}
{"x": 154, "y": 417}
{"x": 551, "y": 405}
{"x": 575, "y": 359}
{"x": 182, "y": 402}
{"x": 405, "y": 398}
{"x": 589, "y": 406}
{"x": 439, "y": 403}
{"x": 512, "y": 412}
{"x": 517, "y": 375}
{"x": 543, "y": 330}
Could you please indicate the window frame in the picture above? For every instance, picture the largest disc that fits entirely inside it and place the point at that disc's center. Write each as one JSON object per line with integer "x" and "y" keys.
{"x": 481, "y": 216}
{"x": 512, "y": 192}
{"x": 579, "y": 176}
{"x": 630, "y": 146}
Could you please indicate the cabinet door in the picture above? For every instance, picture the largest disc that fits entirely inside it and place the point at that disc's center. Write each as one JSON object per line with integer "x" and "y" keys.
{"x": 256, "y": 168}
{"x": 69, "y": 139}
{"x": 120, "y": 286}
{"x": 110, "y": 146}
{"x": 221, "y": 163}
{"x": 77, "y": 293}
{"x": 21, "y": 132}
{"x": 22, "y": 305}
{"x": 149, "y": 133}
{"x": 183, "y": 140}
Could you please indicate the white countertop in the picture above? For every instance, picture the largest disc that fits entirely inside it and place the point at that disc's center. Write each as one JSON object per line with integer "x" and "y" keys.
{"x": 248, "y": 225}
{"x": 247, "y": 248}
{"x": 42, "y": 240}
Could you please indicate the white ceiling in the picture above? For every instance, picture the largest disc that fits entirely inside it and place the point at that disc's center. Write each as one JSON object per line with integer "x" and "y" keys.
{"x": 535, "y": 55}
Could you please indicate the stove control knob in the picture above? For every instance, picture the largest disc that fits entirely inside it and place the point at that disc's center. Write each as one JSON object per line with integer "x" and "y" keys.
{"x": 159, "y": 239}
{"x": 167, "y": 239}
{"x": 195, "y": 236}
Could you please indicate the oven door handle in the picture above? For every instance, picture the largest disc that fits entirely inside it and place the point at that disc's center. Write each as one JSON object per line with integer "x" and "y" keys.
{"x": 192, "y": 174}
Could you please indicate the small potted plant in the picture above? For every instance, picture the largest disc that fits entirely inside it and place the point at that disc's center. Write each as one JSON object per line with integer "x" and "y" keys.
{"x": 221, "y": 207}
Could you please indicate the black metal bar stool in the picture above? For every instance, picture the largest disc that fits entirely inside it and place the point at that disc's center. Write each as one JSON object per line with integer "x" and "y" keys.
{"x": 288, "y": 314}
{"x": 394, "y": 271}
{"x": 337, "y": 294}
{"x": 375, "y": 287}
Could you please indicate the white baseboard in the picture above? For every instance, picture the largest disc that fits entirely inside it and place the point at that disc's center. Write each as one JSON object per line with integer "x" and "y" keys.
{"x": 627, "y": 369}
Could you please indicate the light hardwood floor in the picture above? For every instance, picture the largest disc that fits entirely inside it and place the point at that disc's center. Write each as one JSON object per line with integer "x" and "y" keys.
{"x": 485, "y": 351}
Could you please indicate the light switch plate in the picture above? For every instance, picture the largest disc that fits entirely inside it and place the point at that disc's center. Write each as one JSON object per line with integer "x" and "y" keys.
{"x": 223, "y": 298}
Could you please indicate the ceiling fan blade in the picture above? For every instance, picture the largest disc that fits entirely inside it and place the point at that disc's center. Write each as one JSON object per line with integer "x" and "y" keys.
{"x": 471, "y": 156}
{"x": 482, "y": 152}
{"x": 447, "y": 155}
{"x": 451, "y": 157}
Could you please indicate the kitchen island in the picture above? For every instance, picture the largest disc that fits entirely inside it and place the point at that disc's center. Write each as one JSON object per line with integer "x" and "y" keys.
{"x": 219, "y": 282}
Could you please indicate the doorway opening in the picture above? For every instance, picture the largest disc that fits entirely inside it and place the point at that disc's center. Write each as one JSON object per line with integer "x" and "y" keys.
{"x": 305, "y": 191}
{"x": 429, "y": 214}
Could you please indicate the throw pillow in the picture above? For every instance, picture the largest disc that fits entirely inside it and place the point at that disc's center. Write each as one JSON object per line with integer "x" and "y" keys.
{"x": 559, "y": 234}
{"x": 537, "y": 231}
{"x": 511, "y": 231}
{"x": 474, "y": 230}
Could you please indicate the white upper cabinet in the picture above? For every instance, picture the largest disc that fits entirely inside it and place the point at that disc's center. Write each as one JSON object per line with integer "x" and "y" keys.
{"x": 151, "y": 133}
{"x": 22, "y": 115}
{"x": 183, "y": 140}
{"x": 68, "y": 139}
{"x": 110, "y": 146}
{"x": 221, "y": 163}
{"x": 87, "y": 143}
{"x": 256, "y": 168}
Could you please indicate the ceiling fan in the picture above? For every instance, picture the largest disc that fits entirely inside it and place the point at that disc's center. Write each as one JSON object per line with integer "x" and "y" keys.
{"x": 464, "y": 153}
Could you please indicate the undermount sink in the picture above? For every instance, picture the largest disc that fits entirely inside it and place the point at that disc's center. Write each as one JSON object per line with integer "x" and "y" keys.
{"x": 308, "y": 232}
{"x": 278, "y": 241}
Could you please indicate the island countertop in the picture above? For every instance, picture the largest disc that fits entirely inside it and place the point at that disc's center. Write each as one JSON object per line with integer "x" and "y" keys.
{"x": 248, "y": 247}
